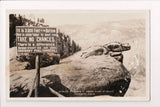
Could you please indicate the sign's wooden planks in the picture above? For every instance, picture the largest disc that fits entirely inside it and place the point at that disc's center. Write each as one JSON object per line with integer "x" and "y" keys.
{"x": 36, "y": 39}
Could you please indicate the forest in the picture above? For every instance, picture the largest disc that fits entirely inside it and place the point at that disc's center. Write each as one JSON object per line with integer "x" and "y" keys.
{"x": 66, "y": 46}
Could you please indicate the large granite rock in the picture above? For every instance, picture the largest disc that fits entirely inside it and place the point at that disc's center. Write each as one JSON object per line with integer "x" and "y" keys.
{"x": 75, "y": 76}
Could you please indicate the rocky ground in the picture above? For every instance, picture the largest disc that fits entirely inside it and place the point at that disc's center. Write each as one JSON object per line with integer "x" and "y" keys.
{"x": 75, "y": 76}
{"x": 74, "y": 69}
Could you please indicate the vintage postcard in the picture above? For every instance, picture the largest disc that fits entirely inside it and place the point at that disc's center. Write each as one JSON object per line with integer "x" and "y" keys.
{"x": 93, "y": 55}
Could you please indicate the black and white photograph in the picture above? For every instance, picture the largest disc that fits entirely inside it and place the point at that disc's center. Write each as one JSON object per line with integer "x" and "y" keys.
{"x": 100, "y": 54}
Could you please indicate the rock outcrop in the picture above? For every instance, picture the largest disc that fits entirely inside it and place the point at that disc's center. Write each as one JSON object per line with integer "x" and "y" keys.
{"x": 114, "y": 49}
{"x": 98, "y": 74}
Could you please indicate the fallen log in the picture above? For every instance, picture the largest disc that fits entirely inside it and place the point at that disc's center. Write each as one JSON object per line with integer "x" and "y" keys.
{"x": 55, "y": 92}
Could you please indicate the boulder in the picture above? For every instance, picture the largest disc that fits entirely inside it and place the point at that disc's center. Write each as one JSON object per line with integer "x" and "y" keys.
{"x": 114, "y": 49}
{"x": 75, "y": 76}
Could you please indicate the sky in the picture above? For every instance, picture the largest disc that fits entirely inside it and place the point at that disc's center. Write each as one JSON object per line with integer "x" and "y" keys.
{"x": 85, "y": 35}
{"x": 73, "y": 17}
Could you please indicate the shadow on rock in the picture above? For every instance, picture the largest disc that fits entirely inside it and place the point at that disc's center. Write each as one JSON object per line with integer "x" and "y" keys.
{"x": 52, "y": 81}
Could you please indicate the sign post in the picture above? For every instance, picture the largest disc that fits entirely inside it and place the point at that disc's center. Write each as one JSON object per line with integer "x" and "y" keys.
{"x": 37, "y": 83}
{"x": 36, "y": 40}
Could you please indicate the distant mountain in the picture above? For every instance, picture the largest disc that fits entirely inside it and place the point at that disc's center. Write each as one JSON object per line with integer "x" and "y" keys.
{"x": 101, "y": 33}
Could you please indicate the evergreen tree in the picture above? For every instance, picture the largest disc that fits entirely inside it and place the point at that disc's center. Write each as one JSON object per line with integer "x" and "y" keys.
{"x": 73, "y": 46}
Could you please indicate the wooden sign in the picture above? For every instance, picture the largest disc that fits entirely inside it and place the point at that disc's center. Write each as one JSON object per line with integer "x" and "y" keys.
{"x": 36, "y": 39}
